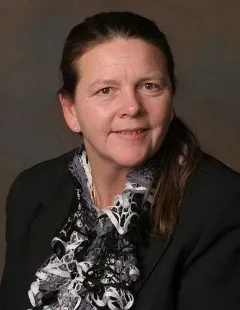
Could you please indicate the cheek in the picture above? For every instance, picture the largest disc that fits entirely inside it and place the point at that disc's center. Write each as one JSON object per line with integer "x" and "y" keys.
{"x": 162, "y": 114}
{"x": 95, "y": 119}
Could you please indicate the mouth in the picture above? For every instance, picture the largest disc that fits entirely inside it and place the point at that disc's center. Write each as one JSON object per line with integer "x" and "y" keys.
{"x": 131, "y": 131}
{"x": 131, "y": 134}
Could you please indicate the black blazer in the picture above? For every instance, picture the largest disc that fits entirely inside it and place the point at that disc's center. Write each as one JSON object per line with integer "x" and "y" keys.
{"x": 198, "y": 269}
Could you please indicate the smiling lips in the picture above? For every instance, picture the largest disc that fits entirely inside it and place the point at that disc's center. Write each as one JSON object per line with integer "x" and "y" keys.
{"x": 131, "y": 134}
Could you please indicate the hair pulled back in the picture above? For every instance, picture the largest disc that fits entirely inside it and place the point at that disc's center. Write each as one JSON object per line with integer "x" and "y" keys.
{"x": 105, "y": 27}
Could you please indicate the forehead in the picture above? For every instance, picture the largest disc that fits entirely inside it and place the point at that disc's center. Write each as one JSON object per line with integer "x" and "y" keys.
{"x": 121, "y": 57}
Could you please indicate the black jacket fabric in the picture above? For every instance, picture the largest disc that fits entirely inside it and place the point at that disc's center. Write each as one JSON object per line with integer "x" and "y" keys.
{"x": 197, "y": 269}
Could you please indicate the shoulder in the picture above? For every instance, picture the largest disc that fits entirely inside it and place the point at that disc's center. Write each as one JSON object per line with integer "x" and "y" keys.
{"x": 213, "y": 192}
{"x": 213, "y": 178}
{"x": 48, "y": 170}
{"x": 41, "y": 181}
{"x": 212, "y": 167}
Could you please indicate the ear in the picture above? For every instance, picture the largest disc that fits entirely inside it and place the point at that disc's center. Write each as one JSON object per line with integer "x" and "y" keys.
{"x": 172, "y": 114}
{"x": 69, "y": 113}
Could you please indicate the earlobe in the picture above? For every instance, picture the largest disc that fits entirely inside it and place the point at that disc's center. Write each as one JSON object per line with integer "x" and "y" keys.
{"x": 69, "y": 113}
{"x": 172, "y": 115}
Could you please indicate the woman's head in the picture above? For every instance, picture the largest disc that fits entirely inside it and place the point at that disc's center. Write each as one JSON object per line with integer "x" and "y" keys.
{"x": 105, "y": 27}
{"x": 118, "y": 81}
{"x": 127, "y": 46}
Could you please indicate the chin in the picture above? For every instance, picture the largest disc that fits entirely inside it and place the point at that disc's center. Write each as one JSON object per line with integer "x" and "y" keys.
{"x": 132, "y": 160}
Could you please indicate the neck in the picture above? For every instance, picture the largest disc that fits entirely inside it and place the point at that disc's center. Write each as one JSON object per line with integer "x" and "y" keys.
{"x": 108, "y": 180}
{"x": 106, "y": 191}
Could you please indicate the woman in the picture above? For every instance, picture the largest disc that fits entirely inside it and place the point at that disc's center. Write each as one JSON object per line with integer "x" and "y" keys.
{"x": 137, "y": 217}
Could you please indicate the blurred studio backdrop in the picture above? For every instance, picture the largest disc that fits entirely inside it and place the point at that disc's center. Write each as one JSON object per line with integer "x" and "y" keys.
{"x": 203, "y": 34}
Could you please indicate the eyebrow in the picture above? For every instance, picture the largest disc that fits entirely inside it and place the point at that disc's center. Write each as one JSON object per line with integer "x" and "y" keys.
{"x": 153, "y": 77}
{"x": 103, "y": 81}
{"x": 116, "y": 83}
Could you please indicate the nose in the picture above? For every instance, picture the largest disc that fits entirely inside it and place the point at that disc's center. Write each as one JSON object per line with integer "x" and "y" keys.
{"x": 130, "y": 106}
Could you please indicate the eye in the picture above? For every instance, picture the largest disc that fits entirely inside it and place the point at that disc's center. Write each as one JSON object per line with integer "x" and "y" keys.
{"x": 151, "y": 86}
{"x": 105, "y": 91}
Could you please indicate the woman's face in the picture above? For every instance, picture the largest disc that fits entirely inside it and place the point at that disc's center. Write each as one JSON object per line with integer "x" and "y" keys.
{"x": 123, "y": 102}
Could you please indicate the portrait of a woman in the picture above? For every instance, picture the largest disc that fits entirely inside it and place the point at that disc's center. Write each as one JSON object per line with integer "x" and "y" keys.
{"x": 138, "y": 216}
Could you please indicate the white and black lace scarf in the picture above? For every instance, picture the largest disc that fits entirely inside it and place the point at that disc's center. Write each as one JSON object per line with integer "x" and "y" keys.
{"x": 94, "y": 263}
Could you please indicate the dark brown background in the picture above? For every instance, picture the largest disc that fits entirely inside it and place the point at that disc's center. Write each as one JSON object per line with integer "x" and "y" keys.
{"x": 204, "y": 36}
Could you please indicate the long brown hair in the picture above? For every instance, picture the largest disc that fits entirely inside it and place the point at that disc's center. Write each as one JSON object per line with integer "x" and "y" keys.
{"x": 176, "y": 161}
{"x": 178, "y": 155}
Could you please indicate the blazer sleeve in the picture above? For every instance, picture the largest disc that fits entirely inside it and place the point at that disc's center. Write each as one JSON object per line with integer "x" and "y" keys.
{"x": 17, "y": 215}
{"x": 211, "y": 279}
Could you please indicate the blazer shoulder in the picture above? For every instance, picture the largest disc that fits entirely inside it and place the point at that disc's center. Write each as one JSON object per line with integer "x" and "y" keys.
{"x": 215, "y": 175}
{"x": 42, "y": 180}
{"x": 213, "y": 188}
{"x": 48, "y": 170}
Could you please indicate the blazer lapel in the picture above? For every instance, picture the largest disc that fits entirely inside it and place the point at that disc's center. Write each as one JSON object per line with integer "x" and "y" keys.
{"x": 48, "y": 220}
{"x": 150, "y": 254}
